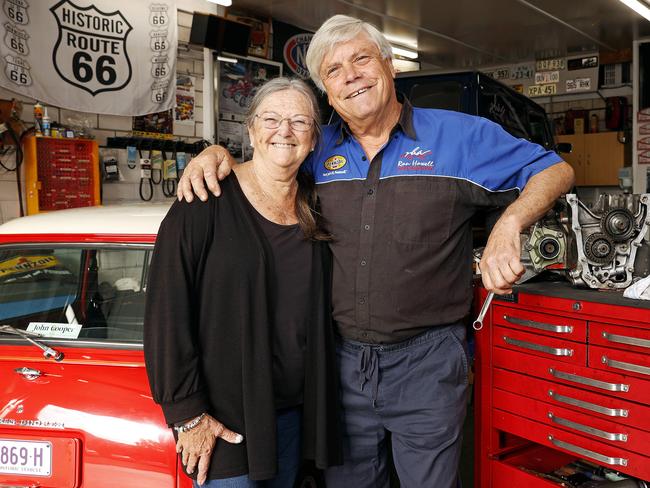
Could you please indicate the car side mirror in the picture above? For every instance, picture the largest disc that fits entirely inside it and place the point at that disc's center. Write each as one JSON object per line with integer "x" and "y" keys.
{"x": 564, "y": 147}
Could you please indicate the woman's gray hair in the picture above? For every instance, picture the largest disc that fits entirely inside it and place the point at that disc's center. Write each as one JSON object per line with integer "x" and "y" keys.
{"x": 280, "y": 84}
{"x": 340, "y": 28}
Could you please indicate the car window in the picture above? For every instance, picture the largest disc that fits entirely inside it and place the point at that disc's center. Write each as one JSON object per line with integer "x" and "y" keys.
{"x": 442, "y": 94}
{"x": 75, "y": 293}
{"x": 497, "y": 105}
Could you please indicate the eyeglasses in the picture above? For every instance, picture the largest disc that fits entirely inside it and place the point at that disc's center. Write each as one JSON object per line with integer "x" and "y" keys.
{"x": 300, "y": 123}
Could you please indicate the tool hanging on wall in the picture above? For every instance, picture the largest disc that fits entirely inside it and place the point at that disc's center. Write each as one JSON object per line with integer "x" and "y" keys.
{"x": 170, "y": 177}
{"x": 145, "y": 173}
{"x": 156, "y": 166}
{"x": 131, "y": 156}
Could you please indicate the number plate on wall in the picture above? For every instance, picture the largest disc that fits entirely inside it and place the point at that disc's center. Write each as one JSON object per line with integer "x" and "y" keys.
{"x": 25, "y": 457}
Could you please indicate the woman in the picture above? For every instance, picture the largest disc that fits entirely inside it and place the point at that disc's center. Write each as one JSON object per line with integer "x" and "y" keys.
{"x": 238, "y": 337}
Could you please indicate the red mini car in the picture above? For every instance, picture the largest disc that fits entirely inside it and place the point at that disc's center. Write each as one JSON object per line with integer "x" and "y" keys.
{"x": 75, "y": 404}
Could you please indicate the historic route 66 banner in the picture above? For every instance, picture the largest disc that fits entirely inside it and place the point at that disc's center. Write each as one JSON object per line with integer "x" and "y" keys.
{"x": 105, "y": 56}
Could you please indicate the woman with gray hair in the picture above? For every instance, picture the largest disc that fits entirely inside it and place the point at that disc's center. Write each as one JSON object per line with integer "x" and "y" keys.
{"x": 238, "y": 335}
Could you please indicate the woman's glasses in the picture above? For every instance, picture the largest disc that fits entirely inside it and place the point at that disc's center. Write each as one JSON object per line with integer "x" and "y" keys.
{"x": 300, "y": 123}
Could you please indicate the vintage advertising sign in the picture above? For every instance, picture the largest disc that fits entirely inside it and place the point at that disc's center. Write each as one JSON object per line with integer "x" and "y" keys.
{"x": 116, "y": 56}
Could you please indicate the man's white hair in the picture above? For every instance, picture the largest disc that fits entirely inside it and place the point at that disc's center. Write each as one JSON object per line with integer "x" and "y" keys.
{"x": 336, "y": 29}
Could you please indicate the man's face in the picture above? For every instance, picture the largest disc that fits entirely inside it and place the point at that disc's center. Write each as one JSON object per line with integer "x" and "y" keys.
{"x": 358, "y": 81}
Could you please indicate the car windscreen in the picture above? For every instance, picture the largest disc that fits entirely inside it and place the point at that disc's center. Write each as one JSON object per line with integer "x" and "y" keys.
{"x": 75, "y": 293}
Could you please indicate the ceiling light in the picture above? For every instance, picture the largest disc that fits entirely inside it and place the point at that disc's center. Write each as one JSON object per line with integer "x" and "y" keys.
{"x": 639, "y": 7}
{"x": 226, "y": 59}
{"x": 406, "y": 53}
{"x": 225, "y": 3}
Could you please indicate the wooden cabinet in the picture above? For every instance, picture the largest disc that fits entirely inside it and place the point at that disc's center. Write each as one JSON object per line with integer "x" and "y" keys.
{"x": 561, "y": 374}
{"x": 595, "y": 158}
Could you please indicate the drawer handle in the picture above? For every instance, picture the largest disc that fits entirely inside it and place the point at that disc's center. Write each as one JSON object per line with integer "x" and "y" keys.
{"x": 612, "y": 412}
{"x": 561, "y": 329}
{"x": 612, "y": 461}
{"x": 625, "y": 366}
{"x": 621, "y": 339}
{"x": 588, "y": 430}
{"x": 589, "y": 381}
{"x": 555, "y": 351}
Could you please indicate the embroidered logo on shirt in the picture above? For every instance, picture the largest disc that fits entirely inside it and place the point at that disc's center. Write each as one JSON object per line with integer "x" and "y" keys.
{"x": 416, "y": 159}
{"x": 335, "y": 162}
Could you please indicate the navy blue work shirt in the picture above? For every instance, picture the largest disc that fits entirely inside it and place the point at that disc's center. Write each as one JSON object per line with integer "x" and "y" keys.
{"x": 401, "y": 223}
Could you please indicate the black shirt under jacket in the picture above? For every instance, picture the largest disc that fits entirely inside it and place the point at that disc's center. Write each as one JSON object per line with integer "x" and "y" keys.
{"x": 207, "y": 340}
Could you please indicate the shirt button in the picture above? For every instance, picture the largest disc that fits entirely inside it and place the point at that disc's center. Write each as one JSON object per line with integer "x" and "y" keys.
{"x": 363, "y": 262}
{"x": 364, "y": 334}
{"x": 362, "y": 300}
{"x": 363, "y": 158}
{"x": 366, "y": 227}
{"x": 371, "y": 191}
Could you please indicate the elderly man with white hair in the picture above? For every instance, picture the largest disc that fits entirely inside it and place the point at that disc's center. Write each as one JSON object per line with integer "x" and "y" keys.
{"x": 398, "y": 186}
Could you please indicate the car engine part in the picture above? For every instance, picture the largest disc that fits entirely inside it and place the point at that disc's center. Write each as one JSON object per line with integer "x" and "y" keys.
{"x": 606, "y": 239}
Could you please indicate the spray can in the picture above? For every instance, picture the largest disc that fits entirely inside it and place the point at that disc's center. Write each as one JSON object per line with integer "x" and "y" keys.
{"x": 46, "y": 125}
{"x": 38, "y": 118}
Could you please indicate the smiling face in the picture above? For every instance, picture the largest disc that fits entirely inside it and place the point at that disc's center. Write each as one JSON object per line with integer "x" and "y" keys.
{"x": 283, "y": 146}
{"x": 358, "y": 81}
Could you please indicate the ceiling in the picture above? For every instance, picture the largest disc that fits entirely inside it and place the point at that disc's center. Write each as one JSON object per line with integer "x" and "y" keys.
{"x": 475, "y": 33}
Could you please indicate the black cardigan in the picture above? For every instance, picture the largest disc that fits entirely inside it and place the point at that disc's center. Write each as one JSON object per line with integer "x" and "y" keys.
{"x": 207, "y": 340}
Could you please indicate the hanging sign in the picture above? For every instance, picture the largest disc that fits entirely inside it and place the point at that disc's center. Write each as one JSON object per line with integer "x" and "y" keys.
{"x": 111, "y": 56}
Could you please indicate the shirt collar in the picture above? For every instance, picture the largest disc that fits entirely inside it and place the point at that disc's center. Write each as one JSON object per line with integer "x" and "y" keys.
{"x": 405, "y": 122}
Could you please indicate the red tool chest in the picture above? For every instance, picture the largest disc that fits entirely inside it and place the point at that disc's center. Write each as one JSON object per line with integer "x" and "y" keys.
{"x": 561, "y": 374}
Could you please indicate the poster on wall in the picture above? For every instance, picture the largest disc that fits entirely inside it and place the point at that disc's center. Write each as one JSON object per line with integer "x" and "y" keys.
{"x": 238, "y": 83}
{"x": 258, "y": 44}
{"x": 184, "y": 111}
{"x": 116, "y": 56}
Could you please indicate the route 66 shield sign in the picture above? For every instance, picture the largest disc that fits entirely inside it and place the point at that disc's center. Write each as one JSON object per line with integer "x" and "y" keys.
{"x": 159, "y": 41}
{"x": 90, "y": 52}
{"x": 17, "y": 70}
{"x": 158, "y": 17}
{"x": 16, "y": 39}
{"x": 16, "y": 11}
{"x": 159, "y": 66}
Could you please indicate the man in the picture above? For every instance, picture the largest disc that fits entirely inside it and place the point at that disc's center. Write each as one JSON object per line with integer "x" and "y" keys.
{"x": 398, "y": 186}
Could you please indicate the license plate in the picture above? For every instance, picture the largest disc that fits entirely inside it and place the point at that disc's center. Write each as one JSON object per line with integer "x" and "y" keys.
{"x": 25, "y": 457}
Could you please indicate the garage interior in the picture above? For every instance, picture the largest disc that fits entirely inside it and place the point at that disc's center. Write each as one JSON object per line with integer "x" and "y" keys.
{"x": 586, "y": 63}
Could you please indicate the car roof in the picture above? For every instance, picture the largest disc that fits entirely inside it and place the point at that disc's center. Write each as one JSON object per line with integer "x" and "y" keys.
{"x": 133, "y": 219}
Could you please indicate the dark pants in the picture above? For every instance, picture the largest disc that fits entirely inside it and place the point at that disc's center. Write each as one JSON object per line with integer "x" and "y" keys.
{"x": 289, "y": 432}
{"x": 416, "y": 390}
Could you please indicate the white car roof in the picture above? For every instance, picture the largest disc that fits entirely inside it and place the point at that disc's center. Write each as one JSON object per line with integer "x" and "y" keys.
{"x": 140, "y": 219}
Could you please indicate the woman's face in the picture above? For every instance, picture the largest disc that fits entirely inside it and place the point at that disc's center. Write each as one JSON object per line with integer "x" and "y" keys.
{"x": 288, "y": 144}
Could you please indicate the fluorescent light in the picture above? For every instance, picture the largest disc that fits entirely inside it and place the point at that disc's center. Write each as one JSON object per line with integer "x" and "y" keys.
{"x": 638, "y": 7}
{"x": 402, "y": 51}
{"x": 226, "y": 59}
{"x": 225, "y": 3}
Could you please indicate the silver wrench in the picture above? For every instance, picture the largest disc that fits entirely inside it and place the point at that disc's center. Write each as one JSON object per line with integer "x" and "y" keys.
{"x": 478, "y": 323}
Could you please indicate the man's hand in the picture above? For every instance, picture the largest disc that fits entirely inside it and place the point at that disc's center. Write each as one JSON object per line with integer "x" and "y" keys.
{"x": 213, "y": 164}
{"x": 500, "y": 264}
{"x": 197, "y": 444}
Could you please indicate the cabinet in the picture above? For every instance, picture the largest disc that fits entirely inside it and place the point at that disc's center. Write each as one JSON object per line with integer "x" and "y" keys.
{"x": 61, "y": 173}
{"x": 595, "y": 158}
{"x": 561, "y": 374}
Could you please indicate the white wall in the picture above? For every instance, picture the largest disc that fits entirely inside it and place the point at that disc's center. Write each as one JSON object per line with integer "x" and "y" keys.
{"x": 104, "y": 126}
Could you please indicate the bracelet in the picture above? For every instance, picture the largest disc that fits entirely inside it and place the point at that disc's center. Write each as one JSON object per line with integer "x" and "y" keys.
{"x": 191, "y": 424}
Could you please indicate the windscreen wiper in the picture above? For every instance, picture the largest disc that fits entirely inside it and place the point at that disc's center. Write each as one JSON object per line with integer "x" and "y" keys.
{"x": 48, "y": 352}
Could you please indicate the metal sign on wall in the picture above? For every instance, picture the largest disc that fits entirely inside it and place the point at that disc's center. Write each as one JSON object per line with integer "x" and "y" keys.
{"x": 106, "y": 56}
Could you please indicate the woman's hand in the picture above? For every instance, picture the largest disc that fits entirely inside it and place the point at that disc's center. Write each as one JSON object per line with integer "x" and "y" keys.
{"x": 196, "y": 445}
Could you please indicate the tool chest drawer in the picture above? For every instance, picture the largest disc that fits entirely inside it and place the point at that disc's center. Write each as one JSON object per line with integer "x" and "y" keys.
{"x": 619, "y": 337}
{"x": 540, "y": 323}
{"x": 631, "y": 363}
{"x": 608, "y": 431}
{"x": 595, "y": 404}
{"x": 611, "y": 383}
{"x": 616, "y": 458}
{"x": 538, "y": 345}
